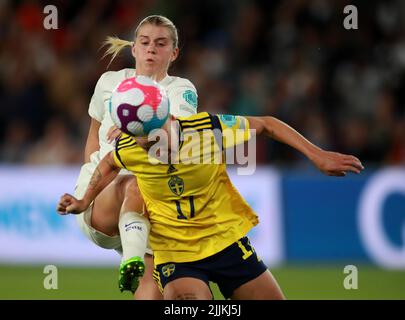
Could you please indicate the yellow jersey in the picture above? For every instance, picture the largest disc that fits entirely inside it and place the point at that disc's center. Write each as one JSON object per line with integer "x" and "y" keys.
{"x": 194, "y": 209}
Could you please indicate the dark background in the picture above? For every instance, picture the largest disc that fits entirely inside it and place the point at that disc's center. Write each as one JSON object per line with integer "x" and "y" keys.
{"x": 343, "y": 89}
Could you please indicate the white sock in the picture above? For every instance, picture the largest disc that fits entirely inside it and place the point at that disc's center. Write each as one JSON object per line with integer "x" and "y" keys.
{"x": 134, "y": 232}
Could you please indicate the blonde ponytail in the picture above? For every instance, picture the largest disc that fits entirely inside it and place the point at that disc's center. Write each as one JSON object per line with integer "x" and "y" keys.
{"x": 114, "y": 47}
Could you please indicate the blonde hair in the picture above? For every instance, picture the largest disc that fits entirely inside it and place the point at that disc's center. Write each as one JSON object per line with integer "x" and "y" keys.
{"x": 115, "y": 44}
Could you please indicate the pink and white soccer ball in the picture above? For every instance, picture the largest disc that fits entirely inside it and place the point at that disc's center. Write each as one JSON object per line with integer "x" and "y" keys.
{"x": 138, "y": 105}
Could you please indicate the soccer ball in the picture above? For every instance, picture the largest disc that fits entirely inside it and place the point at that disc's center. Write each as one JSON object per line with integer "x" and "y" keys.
{"x": 138, "y": 105}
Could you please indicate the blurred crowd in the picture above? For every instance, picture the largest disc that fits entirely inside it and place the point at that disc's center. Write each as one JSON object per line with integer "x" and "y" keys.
{"x": 293, "y": 59}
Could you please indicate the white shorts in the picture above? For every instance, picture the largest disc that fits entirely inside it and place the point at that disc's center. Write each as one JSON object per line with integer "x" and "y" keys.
{"x": 84, "y": 218}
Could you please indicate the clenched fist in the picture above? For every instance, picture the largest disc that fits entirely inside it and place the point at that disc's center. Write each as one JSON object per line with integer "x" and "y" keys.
{"x": 69, "y": 204}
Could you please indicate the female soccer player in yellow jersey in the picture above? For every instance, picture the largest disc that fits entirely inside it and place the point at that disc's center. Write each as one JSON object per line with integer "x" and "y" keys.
{"x": 198, "y": 219}
{"x": 106, "y": 221}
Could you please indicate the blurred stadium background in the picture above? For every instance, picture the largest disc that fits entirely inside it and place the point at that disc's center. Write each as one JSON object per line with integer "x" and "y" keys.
{"x": 343, "y": 89}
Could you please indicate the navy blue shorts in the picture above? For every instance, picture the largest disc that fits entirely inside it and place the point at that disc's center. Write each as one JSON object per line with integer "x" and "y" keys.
{"x": 229, "y": 268}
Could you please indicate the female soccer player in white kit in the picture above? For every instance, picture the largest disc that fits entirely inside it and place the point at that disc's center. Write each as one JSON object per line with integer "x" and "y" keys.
{"x": 115, "y": 220}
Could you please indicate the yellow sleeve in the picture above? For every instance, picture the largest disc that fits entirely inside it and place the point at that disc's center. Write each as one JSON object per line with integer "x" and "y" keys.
{"x": 117, "y": 159}
{"x": 122, "y": 145}
{"x": 235, "y": 129}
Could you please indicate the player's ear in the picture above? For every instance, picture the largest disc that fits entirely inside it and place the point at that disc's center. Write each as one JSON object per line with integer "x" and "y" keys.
{"x": 175, "y": 54}
{"x": 133, "y": 48}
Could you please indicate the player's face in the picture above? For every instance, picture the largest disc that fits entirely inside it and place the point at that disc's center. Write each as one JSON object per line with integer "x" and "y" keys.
{"x": 153, "y": 51}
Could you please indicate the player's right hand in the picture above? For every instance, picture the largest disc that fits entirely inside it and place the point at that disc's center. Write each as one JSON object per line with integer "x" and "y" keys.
{"x": 69, "y": 204}
{"x": 113, "y": 134}
{"x": 336, "y": 164}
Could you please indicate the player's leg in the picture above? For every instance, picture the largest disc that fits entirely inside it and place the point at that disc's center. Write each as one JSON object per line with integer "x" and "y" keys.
{"x": 115, "y": 209}
{"x": 264, "y": 287}
{"x": 106, "y": 211}
{"x": 106, "y": 208}
{"x": 183, "y": 281}
{"x": 242, "y": 275}
{"x": 118, "y": 207}
{"x": 133, "y": 225}
{"x": 133, "y": 207}
{"x": 107, "y": 226}
{"x": 100, "y": 221}
{"x": 134, "y": 232}
{"x": 187, "y": 289}
{"x": 148, "y": 289}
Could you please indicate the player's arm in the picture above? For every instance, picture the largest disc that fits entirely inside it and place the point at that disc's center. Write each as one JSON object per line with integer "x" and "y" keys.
{"x": 96, "y": 112}
{"x": 330, "y": 163}
{"x": 104, "y": 173}
{"x": 92, "y": 143}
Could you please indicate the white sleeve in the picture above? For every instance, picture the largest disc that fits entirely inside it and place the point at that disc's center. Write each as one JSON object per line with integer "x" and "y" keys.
{"x": 183, "y": 99}
{"x": 96, "y": 107}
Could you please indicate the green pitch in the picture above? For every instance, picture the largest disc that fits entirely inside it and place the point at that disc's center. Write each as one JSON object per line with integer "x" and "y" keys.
{"x": 297, "y": 282}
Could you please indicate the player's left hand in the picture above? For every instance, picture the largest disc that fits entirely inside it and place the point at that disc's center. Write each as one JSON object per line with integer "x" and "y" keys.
{"x": 69, "y": 204}
{"x": 336, "y": 164}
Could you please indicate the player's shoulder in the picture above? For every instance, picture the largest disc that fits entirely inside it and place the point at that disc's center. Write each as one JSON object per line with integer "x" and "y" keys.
{"x": 182, "y": 95}
{"x": 110, "y": 79}
{"x": 178, "y": 82}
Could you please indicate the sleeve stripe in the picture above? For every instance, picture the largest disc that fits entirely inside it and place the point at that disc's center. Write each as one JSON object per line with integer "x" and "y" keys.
{"x": 186, "y": 125}
{"x": 195, "y": 120}
{"x": 124, "y": 140}
{"x": 218, "y": 135}
{"x": 180, "y": 134}
{"x": 198, "y": 128}
{"x": 117, "y": 153}
{"x": 215, "y": 122}
{"x": 127, "y": 145}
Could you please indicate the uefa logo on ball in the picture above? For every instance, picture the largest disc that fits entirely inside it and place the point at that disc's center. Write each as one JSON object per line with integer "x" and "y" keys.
{"x": 139, "y": 105}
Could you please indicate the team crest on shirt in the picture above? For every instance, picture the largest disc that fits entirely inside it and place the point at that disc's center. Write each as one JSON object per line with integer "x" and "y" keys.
{"x": 168, "y": 270}
{"x": 176, "y": 185}
{"x": 191, "y": 98}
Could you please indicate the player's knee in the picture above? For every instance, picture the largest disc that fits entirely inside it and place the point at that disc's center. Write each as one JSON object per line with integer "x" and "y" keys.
{"x": 187, "y": 289}
{"x": 130, "y": 185}
{"x": 148, "y": 289}
{"x": 173, "y": 292}
{"x": 132, "y": 198}
{"x": 125, "y": 185}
